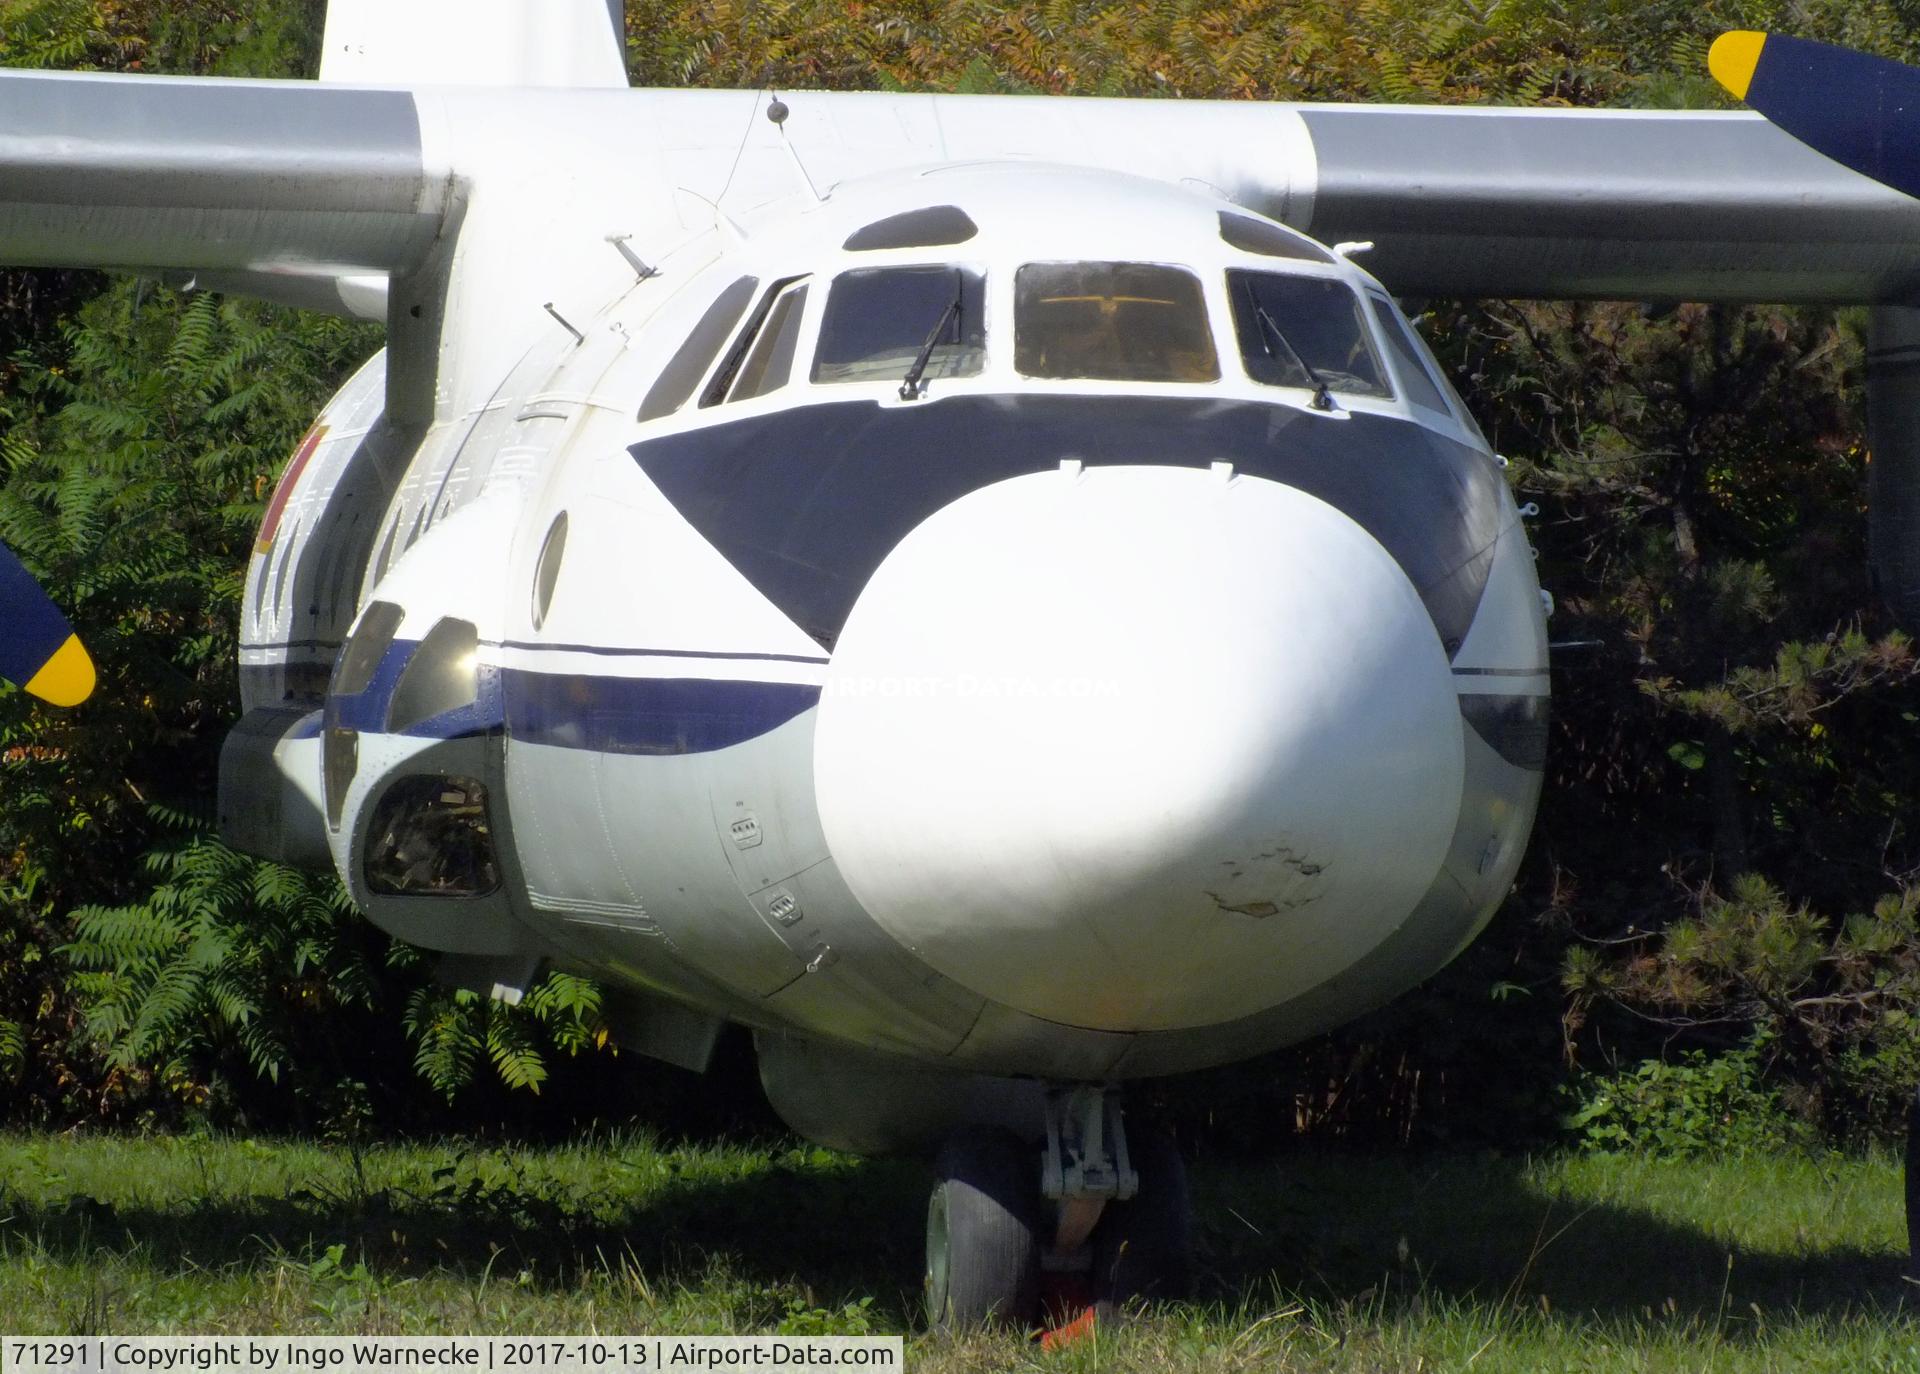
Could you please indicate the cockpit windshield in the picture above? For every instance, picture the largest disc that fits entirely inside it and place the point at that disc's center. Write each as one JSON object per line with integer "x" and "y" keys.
{"x": 1111, "y": 321}
{"x": 1303, "y": 331}
{"x": 878, "y": 321}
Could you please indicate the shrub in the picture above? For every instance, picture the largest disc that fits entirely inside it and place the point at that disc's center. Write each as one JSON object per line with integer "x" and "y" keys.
{"x": 1699, "y": 1104}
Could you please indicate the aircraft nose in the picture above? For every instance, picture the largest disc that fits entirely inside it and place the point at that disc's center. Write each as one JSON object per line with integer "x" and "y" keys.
{"x": 1139, "y": 748}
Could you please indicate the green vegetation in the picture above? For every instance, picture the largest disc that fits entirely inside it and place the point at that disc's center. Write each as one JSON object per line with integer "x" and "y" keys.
{"x": 1308, "y": 1261}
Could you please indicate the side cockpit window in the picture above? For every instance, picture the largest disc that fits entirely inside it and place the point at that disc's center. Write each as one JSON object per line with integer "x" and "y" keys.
{"x": 770, "y": 363}
{"x": 761, "y": 359}
{"x": 1112, "y": 321}
{"x": 683, "y": 372}
{"x": 1301, "y": 331}
{"x": 1398, "y": 327}
{"x": 1421, "y": 387}
{"x": 879, "y": 320}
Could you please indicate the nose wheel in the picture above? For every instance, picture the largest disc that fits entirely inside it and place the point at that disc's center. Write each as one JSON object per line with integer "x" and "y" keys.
{"x": 1083, "y": 1226}
{"x": 983, "y": 1251}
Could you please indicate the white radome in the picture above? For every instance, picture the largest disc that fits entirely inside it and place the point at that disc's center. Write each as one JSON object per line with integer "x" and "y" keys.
{"x": 1097, "y": 745}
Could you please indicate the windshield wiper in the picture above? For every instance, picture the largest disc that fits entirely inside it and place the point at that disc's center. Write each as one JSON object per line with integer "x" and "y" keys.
{"x": 1322, "y": 394}
{"x": 910, "y": 385}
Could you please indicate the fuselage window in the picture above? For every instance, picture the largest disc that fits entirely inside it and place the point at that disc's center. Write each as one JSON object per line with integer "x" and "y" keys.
{"x": 1111, "y": 321}
{"x": 723, "y": 383}
{"x": 1296, "y": 330}
{"x": 546, "y": 572}
{"x": 878, "y": 321}
{"x": 683, "y": 373}
{"x": 432, "y": 837}
{"x": 1422, "y": 390}
{"x": 770, "y": 364}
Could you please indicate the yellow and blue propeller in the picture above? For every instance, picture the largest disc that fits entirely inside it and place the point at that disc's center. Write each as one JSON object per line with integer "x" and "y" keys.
{"x": 38, "y": 649}
{"x": 1861, "y": 111}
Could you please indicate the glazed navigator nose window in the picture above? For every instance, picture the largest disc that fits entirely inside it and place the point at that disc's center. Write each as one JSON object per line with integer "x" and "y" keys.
{"x": 1112, "y": 321}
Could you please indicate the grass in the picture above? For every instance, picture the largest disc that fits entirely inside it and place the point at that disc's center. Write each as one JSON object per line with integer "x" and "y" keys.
{"x": 1308, "y": 1262}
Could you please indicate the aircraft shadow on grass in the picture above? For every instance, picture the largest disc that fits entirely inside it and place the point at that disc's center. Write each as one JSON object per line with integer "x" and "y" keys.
{"x": 1366, "y": 1236}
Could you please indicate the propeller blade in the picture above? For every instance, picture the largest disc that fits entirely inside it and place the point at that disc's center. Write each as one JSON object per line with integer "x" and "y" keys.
{"x": 38, "y": 649}
{"x": 1861, "y": 111}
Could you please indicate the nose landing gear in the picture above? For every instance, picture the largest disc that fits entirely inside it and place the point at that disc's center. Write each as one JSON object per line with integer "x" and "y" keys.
{"x": 983, "y": 1250}
{"x": 1100, "y": 1223}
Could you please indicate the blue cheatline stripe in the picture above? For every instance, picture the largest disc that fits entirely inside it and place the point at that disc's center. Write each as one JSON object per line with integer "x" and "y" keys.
{"x": 622, "y": 651}
{"x": 31, "y": 629}
{"x": 646, "y": 715}
{"x": 610, "y": 715}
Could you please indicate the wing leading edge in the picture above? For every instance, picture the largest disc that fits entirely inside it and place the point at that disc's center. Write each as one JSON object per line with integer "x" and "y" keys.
{"x": 211, "y": 175}
{"x": 306, "y": 180}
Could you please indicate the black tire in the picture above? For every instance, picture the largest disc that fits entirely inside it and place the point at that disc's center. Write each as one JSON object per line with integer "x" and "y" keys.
{"x": 1913, "y": 1189}
{"x": 1143, "y": 1248}
{"x": 983, "y": 1255}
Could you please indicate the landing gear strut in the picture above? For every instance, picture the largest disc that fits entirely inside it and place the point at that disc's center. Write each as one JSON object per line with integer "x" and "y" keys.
{"x": 1101, "y": 1221}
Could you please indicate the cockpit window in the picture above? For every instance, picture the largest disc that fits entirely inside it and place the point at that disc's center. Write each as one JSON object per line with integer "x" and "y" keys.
{"x": 1252, "y": 235}
{"x": 770, "y": 364}
{"x": 1432, "y": 365}
{"x": 1112, "y": 321}
{"x": 1294, "y": 329}
{"x": 721, "y": 386}
{"x": 1420, "y": 387}
{"x": 680, "y": 376}
{"x": 878, "y": 320}
{"x": 931, "y": 227}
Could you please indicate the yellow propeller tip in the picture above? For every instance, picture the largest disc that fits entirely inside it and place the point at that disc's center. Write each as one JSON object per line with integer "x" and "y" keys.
{"x": 67, "y": 678}
{"x": 1733, "y": 57}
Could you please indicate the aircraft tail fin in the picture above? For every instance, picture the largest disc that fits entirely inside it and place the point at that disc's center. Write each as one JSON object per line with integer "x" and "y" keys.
{"x": 579, "y": 43}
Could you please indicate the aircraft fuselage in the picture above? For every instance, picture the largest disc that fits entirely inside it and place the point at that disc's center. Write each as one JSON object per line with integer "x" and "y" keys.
{"x": 1020, "y": 620}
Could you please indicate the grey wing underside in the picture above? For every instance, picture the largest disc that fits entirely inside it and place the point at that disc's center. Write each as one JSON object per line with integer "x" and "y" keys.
{"x": 292, "y": 181}
{"x": 258, "y": 183}
{"x": 1605, "y": 205}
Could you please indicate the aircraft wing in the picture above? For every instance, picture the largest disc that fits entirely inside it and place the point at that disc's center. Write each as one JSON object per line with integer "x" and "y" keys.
{"x": 293, "y": 178}
{"x": 308, "y": 180}
{"x": 1470, "y": 201}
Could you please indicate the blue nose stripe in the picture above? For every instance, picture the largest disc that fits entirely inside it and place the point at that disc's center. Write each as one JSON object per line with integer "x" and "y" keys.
{"x": 605, "y": 713}
{"x": 625, "y": 715}
{"x": 807, "y": 502}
